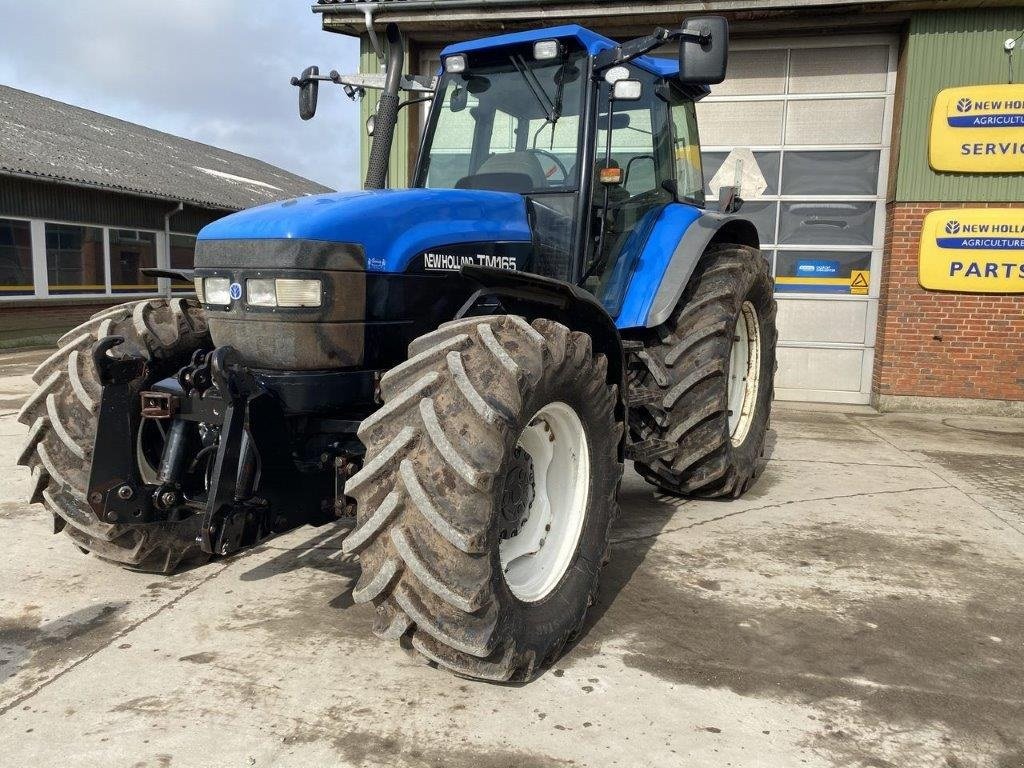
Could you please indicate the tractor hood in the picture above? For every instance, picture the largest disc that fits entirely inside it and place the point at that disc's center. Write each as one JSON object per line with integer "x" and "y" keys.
{"x": 389, "y": 226}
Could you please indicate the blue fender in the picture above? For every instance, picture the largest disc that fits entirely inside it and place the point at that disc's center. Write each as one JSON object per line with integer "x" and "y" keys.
{"x": 670, "y": 252}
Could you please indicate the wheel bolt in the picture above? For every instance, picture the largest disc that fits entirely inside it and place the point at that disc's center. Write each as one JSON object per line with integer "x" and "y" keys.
{"x": 167, "y": 498}
{"x": 125, "y": 492}
{"x": 95, "y": 497}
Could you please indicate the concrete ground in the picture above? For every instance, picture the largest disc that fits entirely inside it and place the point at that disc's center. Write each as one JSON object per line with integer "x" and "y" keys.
{"x": 861, "y": 606}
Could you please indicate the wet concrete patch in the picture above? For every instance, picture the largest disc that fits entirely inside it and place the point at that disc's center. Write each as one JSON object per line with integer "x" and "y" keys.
{"x": 320, "y": 608}
{"x": 1000, "y": 478}
{"x": 367, "y": 748}
{"x": 29, "y": 644}
{"x": 906, "y": 631}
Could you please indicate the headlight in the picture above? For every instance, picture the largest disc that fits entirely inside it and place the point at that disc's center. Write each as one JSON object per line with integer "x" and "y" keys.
{"x": 217, "y": 290}
{"x": 297, "y": 293}
{"x": 260, "y": 293}
{"x": 282, "y": 292}
{"x": 199, "y": 289}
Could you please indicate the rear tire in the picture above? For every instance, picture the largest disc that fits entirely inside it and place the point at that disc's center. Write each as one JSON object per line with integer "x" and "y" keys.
{"x": 62, "y": 416}
{"x": 710, "y": 369}
{"x": 455, "y": 469}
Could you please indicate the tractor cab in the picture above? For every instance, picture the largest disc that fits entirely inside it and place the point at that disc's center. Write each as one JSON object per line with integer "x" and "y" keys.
{"x": 596, "y": 147}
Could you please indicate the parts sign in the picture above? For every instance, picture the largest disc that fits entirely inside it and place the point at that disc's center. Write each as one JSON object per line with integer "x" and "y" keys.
{"x": 978, "y": 129}
{"x": 973, "y": 250}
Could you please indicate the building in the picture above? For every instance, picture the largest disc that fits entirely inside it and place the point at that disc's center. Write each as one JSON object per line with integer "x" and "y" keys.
{"x": 834, "y": 98}
{"x": 87, "y": 201}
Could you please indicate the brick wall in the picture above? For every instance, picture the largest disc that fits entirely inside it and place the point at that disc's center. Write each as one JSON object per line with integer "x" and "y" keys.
{"x": 39, "y": 325}
{"x": 938, "y": 344}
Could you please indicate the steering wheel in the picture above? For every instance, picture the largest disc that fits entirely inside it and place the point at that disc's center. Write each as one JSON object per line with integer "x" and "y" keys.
{"x": 559, "y": 165}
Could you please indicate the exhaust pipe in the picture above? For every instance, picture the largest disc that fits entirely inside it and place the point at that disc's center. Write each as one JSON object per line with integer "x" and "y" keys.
{"x": 387, "y": 113}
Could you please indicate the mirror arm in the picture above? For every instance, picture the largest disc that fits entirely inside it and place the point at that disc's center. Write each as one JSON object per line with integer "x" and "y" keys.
{"x": 638, "y": 47}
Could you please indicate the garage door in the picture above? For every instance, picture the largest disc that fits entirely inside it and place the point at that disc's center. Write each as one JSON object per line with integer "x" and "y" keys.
{"x": 816, "y": 117}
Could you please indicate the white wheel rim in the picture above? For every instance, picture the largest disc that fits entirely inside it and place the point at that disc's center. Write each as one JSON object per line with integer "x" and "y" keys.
{"x": 535, "y": 559}
{"x": 744, "y": 373}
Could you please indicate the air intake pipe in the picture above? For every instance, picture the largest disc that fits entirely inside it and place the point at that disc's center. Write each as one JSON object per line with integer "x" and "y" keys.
{"x": 387, "y": 113}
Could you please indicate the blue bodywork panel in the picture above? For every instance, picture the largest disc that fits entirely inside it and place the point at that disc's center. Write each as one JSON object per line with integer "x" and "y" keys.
{"x": 591, "y": 41}
{"x": 391, "y": 225}
{"x": 649, "y": 259}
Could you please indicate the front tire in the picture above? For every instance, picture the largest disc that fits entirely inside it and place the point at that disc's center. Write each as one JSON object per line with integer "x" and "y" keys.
{"x": 62, "y": 416}
{"x": 707, "y": 373}
{"x": 486, "y": 498}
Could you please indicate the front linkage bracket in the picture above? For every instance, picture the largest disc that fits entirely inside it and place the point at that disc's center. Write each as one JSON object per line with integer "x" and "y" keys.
{"x": 116, "y": 493}
{"x": 230, "y": 522}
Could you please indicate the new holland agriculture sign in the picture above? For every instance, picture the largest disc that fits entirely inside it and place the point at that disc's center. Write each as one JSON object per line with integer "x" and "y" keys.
{"x": 978, "y": 129}
{"x": 973, "y": 250}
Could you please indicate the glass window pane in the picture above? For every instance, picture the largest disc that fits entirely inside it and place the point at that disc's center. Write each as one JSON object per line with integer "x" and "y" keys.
{"x": 768, "y": 162}
{"x": 130, "y": 251}
{"x": 15, "y": 258}
{"x": 818, "y": 271}
{"x": 855, "y": 69}
{"x": 689, "y": 179}
{"x": 74, "y": 259}
{"x": 740, "y": 124}
{"x": 827, "y": 223}
{"x": 830, "y": 173}
{"x": 763, "y": 217}
{"x": 183, "y": 256}
{"x": 750, "y": 72}
{"x": 835, "y": 121}
{"x": 754, "y": 72}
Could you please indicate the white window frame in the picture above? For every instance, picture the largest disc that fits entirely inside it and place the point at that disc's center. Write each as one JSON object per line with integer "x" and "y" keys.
{"x": 40, "y": 277}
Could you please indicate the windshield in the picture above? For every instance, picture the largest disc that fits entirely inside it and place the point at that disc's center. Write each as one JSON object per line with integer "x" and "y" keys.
{"x": 508, "y": 123}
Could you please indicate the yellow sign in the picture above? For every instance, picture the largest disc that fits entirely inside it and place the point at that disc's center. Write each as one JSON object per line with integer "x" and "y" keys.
{"x": 973, "y": 250}
{"x": 859, "y": 282}
{"x": 978, "y": 129}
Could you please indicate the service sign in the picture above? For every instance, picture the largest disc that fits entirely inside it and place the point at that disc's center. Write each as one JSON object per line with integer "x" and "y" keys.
{"x": 973, "y": 250}
{"x": 978, "y": 129}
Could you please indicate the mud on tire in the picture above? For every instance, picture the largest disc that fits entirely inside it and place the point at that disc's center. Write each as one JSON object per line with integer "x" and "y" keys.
{"x": 429, "y": 496}
{"x": 62, "y": 414}
{"x": 685, "y": 363}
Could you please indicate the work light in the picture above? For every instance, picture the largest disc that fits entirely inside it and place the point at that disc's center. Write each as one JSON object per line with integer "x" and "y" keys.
{"x": 455, "y": 64}
{"x": 545, "y": 49}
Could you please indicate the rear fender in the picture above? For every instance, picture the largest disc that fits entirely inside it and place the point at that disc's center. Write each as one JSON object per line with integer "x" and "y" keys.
{"x": 533, "y": 296}
{"x": 658, "y": 292}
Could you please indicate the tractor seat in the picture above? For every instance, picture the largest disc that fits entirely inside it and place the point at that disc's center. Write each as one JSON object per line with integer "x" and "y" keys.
{"x": 507, "y": 172}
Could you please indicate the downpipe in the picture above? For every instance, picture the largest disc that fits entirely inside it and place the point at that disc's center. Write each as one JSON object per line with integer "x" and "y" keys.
{"x": 387, "y": 113}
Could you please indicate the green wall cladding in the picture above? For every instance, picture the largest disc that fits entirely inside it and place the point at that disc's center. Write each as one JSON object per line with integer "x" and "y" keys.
{"x": 398, "y": 173}
{"x": 946, "y": 49}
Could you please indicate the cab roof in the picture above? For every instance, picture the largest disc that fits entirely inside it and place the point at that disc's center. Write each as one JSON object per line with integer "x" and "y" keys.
{"x": 591, "y": 41}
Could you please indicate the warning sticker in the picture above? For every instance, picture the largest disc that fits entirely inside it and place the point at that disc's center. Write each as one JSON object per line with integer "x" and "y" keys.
{"x": 859, "y": 282}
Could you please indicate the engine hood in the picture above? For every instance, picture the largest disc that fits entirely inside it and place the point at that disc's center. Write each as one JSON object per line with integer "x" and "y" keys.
{"x": 391, "y": 226}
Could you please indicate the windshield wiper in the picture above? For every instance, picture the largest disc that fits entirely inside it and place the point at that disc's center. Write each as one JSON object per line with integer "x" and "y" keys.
{"x": 536, "y": 88}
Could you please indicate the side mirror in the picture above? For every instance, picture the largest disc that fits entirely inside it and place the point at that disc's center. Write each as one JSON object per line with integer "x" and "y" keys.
{"x": 308, "y": 90}
{"x": 371, "y": 125}
{"x": 459, "y": 99}
{"x": 704, "y": 50}
{"x": 627, "y": 90}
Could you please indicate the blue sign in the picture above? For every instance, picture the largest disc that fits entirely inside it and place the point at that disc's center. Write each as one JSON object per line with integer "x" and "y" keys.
{"x": 814, "y": 268}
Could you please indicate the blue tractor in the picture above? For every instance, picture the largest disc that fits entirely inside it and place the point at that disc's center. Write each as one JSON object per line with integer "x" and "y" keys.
{"x": 463, "y": 366}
